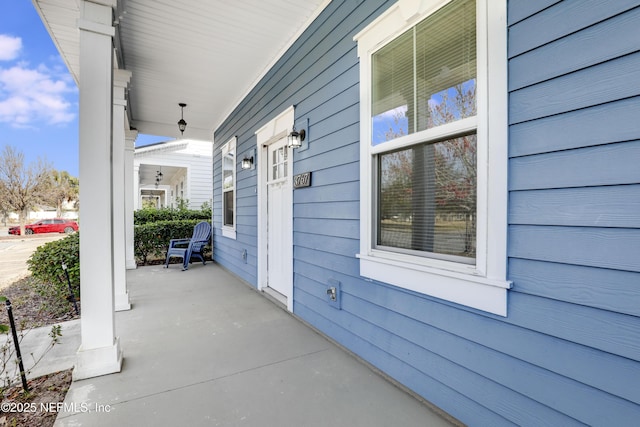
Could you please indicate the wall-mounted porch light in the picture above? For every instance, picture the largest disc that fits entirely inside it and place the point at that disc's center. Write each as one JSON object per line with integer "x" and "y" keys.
{"x": 295, "y": 138}
{"x": 247, "y": 162}
{"x": 182, "y": 125}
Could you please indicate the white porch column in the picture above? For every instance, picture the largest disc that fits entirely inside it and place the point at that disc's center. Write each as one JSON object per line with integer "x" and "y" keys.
{"x": 99, "y": 351}
{"x": 136, "y": 187}
{"x": 121, "y": 80}
{"x": 130, "y": 181}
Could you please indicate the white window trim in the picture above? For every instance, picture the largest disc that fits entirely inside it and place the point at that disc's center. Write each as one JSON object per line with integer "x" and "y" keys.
{"x": 482, "y": 286}
{"x": 227, "y": 231}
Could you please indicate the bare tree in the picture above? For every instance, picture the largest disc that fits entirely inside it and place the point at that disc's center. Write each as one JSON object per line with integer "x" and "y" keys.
{"x": 23, "y": 187}
{"x": 4, "y": 206}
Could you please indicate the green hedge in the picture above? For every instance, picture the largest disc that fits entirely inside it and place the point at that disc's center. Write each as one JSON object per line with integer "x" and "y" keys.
{"x": 154, "y": 228}
{"x": 45, "y": 265}
{"x": 149, "y": 215}
{"x": 152, "y": 239}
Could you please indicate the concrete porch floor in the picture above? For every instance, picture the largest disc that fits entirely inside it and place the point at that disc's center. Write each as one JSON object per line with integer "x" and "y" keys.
{"x": 201, "y": 348}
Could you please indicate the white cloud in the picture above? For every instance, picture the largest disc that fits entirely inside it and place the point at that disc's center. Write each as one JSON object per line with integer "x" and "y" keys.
{"x": 9, "y": 47}
{"x": 29, "y": 96}
{"x": 394, "y": 113}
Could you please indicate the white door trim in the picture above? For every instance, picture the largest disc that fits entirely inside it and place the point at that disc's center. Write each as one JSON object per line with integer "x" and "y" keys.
{"x": 271, "y": 132}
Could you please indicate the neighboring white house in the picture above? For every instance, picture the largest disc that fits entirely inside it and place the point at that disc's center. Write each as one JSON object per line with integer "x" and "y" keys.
{"x": 171, "y": 171}
{"x": 69, "y": 211}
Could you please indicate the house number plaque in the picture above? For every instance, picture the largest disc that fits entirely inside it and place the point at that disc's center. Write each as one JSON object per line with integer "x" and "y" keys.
{"x": 302, "y": 180}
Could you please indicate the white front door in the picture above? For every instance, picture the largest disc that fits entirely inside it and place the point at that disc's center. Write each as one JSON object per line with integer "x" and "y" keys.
{"x": 279, "y": 218}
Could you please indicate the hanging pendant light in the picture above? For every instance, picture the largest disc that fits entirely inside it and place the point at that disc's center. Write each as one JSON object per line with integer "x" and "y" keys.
{"x": 182, "y": 125}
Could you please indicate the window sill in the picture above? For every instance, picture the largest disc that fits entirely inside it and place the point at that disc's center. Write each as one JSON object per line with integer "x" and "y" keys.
{"x": 229, "y": 232}
{"x": 473, "y": 291}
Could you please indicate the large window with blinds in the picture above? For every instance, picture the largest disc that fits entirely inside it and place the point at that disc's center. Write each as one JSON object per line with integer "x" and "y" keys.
{"x": 433, "y": 119}
{"x": 426, "y": 192}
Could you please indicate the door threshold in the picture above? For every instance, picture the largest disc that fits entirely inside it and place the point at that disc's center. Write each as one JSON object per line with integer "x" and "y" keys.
{"x": 275, "y": 296}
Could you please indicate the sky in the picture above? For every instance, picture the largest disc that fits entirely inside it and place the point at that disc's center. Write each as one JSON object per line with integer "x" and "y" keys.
{"x": 38, "y": 96}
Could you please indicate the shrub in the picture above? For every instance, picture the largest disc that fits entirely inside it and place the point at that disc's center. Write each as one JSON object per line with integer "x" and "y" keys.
{"x": 152, "y": 239}
{"x": 148, "y": 215}
{"x": 45, "y": 265}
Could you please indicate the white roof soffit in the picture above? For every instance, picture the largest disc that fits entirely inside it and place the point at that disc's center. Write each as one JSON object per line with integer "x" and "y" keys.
{"x": 207, "y": 54}
{"x": 169, "y": 146}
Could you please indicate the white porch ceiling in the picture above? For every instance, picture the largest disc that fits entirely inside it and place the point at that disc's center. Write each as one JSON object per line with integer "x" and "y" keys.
{"x": 207, "y": 54}
{"x": 148, "y": 172}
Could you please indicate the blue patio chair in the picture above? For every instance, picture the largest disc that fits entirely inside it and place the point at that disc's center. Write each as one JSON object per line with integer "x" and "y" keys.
{"x": 188, "y": 248}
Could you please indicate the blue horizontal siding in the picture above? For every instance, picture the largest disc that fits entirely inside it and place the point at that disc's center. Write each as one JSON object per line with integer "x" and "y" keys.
{"x": 323, "y": 130}
{"x": 577, "y": 129}
{"x": 560, "y": 20}
{"x": 612, "y": 248}
{"x": 615, "y": 333}
{"x": 521, "y": 9}
{"x": 335, "y": 193}
{"x": 328, "y": 227}
{"x": 326, "y": 243}
{"x": 577, "y": 51}
{"x": 610, "y": 206}
{"x": 324, "y": 137}
{"x": 610, "y": 164}
{"x": 574, "y": 233}
{"x": 336, "y": 77}
{"x": 331, "y": 166}
{"x": 606, "y": 289}
{"x": 330, "y": 261}
{"x": 339, "y": 102}
{"x": 606, "y": 82}
{"x": 339, "y": 210}
{"x": 228, "y": 253}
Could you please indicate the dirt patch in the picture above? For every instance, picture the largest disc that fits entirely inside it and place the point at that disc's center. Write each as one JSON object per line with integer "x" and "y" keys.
{"x": 40, "y": 406}
{"x": 29, "y": 308}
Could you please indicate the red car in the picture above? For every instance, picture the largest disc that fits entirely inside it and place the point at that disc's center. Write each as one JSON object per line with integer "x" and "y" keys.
{"x": 55, "y": 225}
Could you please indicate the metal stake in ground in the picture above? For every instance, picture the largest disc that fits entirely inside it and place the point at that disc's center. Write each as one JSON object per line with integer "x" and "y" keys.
{"x": 14, "y": 333}
{"x": 72, "y": 296}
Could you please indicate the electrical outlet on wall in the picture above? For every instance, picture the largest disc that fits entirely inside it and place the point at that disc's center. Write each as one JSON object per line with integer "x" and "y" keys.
{"x": 334, "y": 293}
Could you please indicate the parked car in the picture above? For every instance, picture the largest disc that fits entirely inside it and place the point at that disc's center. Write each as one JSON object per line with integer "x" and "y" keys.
{"x": 55, "y": 225}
